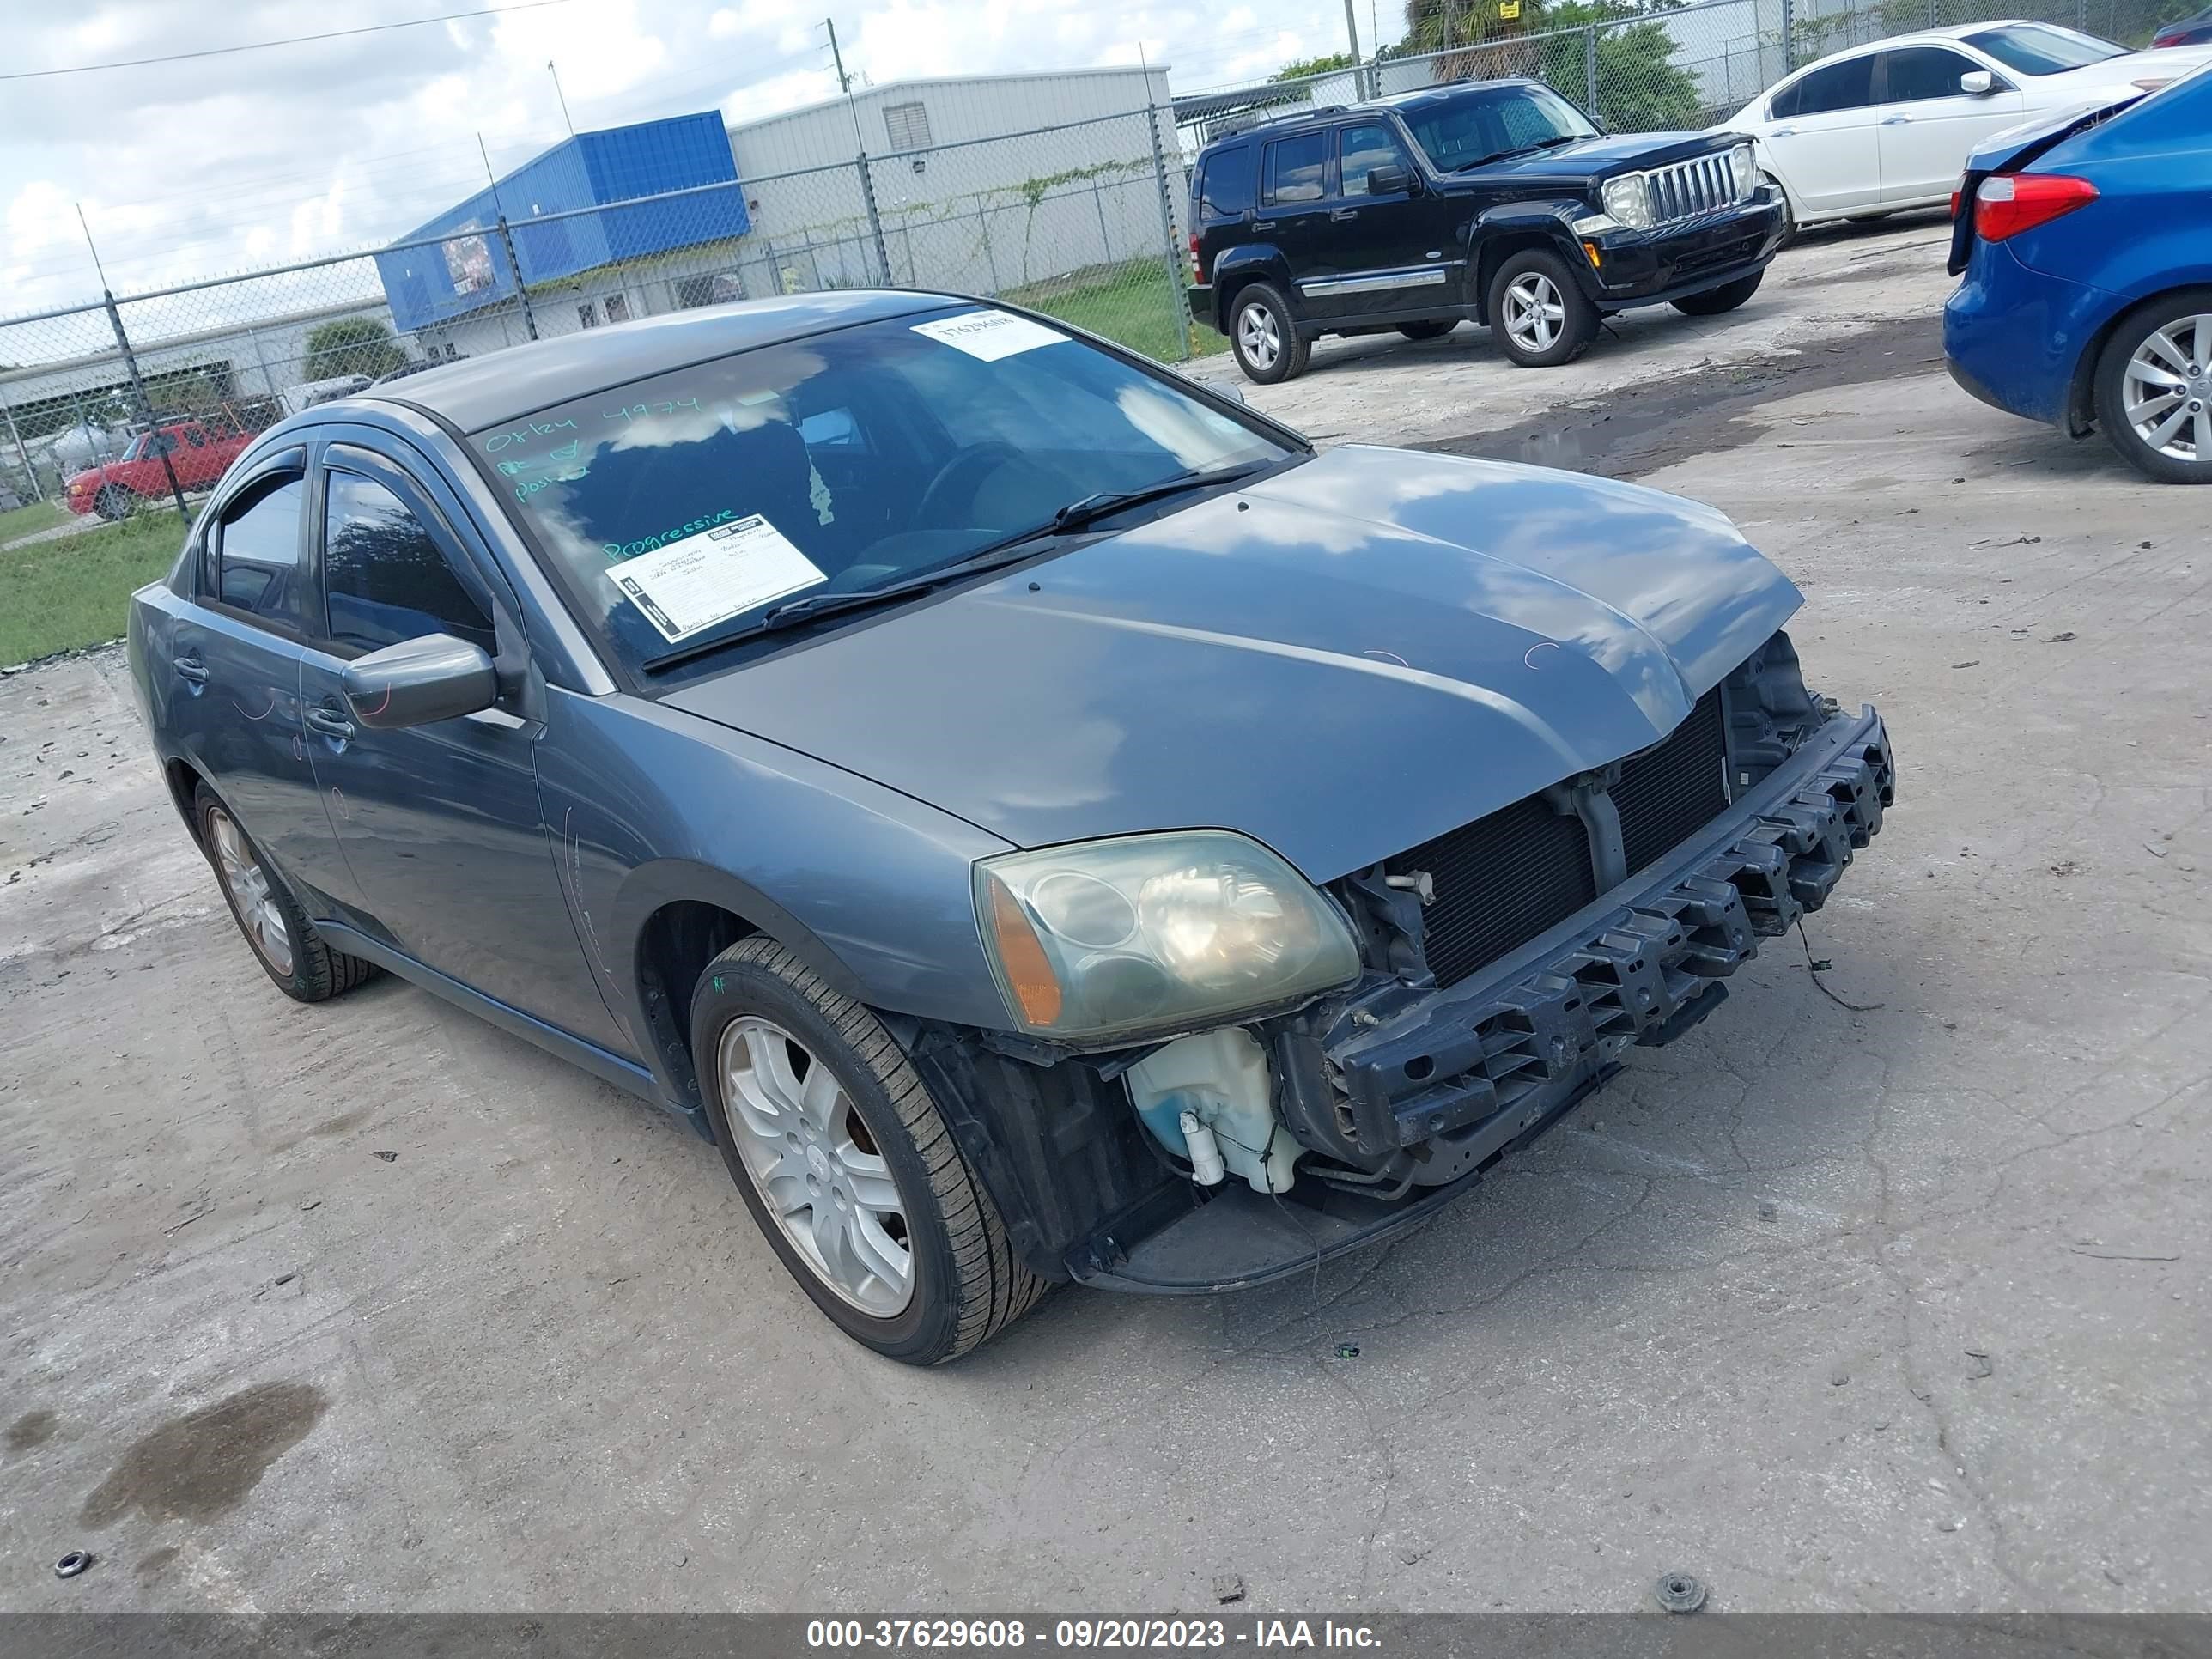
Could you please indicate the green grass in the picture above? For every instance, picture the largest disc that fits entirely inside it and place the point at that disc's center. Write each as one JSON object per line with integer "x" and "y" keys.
{"x": 1133, "y": 304}
{"x": 75, "y": 590}
{"x": 29, "y": 520}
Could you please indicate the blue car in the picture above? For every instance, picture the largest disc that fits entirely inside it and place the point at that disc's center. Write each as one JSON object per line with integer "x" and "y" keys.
{"x": 1040, "y": 819}
{"x": 2085, "y": 243}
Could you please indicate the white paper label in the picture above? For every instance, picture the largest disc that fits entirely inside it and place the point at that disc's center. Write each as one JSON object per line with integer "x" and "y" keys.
{"x": 990, "y": 334}
{"x": 688, "y": 586}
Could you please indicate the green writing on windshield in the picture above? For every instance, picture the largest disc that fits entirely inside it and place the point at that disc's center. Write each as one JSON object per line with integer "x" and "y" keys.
{"x": 617, "y": 551}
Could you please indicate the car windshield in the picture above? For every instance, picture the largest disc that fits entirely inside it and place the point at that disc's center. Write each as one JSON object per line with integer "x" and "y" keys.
{"x": 1483, "y": 124}
{"x": 2043, "y": 48}
{"x": 679, "y": 511}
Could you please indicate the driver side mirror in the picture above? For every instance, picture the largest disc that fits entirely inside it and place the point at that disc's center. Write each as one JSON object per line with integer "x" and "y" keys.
{"x": 416, "y": 682}
{"x": 1389, "y": 181}
{"x": 1978, "y": 83}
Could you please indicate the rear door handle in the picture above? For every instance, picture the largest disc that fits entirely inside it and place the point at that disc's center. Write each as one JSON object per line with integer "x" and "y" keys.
{"x": 329, "y": 722}
{"x": 191, "y": 668}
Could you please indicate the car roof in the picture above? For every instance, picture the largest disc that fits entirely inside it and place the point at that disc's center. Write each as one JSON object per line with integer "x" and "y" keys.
{"x": 1923, "y": 37}
{"x": 1417, "y": 98}
{"x": 483, "y": 390}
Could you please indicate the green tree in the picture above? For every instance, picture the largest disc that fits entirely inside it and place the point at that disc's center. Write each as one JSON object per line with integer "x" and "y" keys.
{"x": 1639, "y": 87}
{"x": 351, "y": 345}
{"x": 1299, "y": 67}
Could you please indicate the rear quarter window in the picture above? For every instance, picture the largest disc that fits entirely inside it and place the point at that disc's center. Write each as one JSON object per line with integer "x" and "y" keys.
{"x": 1224, "y": 184}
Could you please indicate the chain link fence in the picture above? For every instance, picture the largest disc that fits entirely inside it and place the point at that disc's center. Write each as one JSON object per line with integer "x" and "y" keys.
{"x": 114, "y": 404}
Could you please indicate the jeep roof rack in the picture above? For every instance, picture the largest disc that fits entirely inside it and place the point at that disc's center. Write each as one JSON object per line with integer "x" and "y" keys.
{"x": 1314, "y": 113}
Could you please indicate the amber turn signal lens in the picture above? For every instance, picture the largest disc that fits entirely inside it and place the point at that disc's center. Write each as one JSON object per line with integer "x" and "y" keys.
{"x": 1590, "y": 248}
{"x": 1029, "y": 975}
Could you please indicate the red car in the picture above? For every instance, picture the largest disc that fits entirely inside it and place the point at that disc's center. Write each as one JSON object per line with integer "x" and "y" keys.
{"x": 197, "y": 454}
{"x": 2195, "y": 31}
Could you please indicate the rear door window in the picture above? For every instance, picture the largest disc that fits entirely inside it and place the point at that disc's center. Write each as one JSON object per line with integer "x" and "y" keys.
{"x": 1845, "y": 85}
{"x": 257, "y": 554}
{"x": 1297, "y": 170}
{"x": 1224, "y": 184}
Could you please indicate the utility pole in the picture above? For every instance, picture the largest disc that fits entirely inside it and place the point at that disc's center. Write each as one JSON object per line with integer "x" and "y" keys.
{"x": 844, "y": 82}
{"x": 1352, "y": 34}
{"x": 860, "y": 159}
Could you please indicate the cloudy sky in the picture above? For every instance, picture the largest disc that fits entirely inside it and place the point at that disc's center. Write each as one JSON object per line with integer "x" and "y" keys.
{"x": 196, "y": 166}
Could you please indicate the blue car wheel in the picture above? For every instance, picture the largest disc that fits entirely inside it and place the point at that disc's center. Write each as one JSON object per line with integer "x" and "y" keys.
{"x": 2154, "y": 387}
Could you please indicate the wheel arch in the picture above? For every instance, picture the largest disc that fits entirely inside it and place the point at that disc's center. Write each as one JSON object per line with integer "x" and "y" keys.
{"x": 1498, "y": 238}
{"x": 2081, "y": 391}
{"x": 1238, "y": 268}
{"x": 185, "y": 779}
{"x": 677, "y": 916}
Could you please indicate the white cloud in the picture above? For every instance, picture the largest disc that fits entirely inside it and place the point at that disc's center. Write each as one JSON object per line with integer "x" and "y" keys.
{"x": 187, "y": 170}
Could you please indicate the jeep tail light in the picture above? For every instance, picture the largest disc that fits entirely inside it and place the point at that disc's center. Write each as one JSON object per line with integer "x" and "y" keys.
{"x": 2014, "y": 202}
{"x": 1197, "y": 270}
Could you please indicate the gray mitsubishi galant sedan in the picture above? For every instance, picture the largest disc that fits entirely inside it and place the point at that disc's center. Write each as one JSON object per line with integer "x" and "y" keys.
{"x": 1041, "y": 819}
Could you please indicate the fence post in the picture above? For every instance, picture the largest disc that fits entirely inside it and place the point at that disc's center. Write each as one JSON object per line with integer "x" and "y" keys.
{"x": 1589, "y": 68}
{"x": 990, "y": 256}
{"x": 875, "y": 219}
{"x": 1177, "y": 317}
{"x": 145, "y": 402}
{"x": 38, "y": 487}
{"x": 521, "y": 293}
{"x": 1788, "y": 35}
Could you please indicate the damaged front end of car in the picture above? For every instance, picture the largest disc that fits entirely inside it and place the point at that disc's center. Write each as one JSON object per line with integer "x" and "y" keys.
{"x": 1496, "y": 974}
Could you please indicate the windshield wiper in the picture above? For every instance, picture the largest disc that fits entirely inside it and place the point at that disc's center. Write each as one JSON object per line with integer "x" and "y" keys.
{"x": 1525, "y": 149}
{"x": 1076, "y": 514}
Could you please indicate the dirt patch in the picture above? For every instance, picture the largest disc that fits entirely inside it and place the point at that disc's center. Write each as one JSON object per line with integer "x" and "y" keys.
{"x": 200, "y": 1466}
{"x": 31, "y": 1429}
{"x": 1646, "y": 428}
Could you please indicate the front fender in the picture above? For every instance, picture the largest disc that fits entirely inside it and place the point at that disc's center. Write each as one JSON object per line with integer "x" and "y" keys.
{"x": 1504, "y": 230}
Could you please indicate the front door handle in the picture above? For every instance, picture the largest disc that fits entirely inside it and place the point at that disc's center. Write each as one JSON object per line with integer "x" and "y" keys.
{"x": 1895, "y": 120}
{"x": 329, "y": 722}
{"x": 1344, "y": 213}
{"x": 1781, "y": 132}
{"x": 191, "y": 668}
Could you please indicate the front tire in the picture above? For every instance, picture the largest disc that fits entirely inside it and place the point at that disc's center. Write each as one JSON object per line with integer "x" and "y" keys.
{"x": 283, "y": 941}
{"x": 1538, "y": 315}
{"x": 114, "y": 502}
{"x": 1727, "y": 297}
{"x": 1265, "y": 340}
{"x": 848, "y": 1165}
{"x": 2153, "y": 387}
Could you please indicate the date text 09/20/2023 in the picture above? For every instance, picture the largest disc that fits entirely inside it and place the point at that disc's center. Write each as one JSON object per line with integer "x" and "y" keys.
{"x": 1085, "y": 1633}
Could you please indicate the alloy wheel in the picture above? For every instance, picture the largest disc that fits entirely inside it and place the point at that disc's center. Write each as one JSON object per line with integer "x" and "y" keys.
{"x": 252, "y": 892}
{"x": 1257, "y": 338}
{"x": 2166, "y": 390}
{"x": 1535, "y": 314}
{"x": 815, "y": 1165}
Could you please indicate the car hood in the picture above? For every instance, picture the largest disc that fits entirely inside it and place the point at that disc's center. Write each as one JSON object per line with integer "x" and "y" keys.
{"x": 1588, "y": 158}
{"x": 1343, "y": 661}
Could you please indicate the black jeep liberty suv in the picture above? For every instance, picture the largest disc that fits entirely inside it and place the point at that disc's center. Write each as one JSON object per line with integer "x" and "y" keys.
{"x": 1497, "y": 201}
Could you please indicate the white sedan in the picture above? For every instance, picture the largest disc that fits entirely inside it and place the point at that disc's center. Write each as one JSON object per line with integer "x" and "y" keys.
{"x": 1890, "y": 125}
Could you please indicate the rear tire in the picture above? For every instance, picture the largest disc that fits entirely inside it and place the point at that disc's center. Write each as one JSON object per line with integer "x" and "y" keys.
{"x": 2136, "y": 370}
{"x": 1435, "y": 329}
{"x": 114, "y": 502}
{"x": 1727, "y": 297}
{"x": 1264, "y": 338}
{"x": 275, "y": 929}
{"x": 1538, "y": 314}
{"x": 853, "y": 1177}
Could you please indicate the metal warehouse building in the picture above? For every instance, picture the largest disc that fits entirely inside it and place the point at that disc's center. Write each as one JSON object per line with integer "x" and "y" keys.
{"x": 979, "y": 183}
{"x": 577, "y": 241}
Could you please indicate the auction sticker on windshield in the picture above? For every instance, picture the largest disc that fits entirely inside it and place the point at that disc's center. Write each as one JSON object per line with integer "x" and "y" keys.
{"x": 990, "y": 334}
{"x": 688, "y": 586}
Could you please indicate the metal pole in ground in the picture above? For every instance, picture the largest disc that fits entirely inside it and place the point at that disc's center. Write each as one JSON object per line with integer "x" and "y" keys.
{"x": 1173, "y": 255}
{"x": 145, "y": 404}
{"x": 521, "y": 293}
{"x": 990, "y": 257}
{"x": 1788, "y": 35}
{"x": 1589, "y": 68}
{"x": 875, "y": 220}
{"x": 22, "y": 453}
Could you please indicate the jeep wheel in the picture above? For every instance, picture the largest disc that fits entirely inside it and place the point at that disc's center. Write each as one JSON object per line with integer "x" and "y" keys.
{"x": 284, "y": 942}
{"x": 2155, "y": 388}
{"x": 1714, "y": 300}
{"x": 1435, "y": 329}
{"x": 847, "y": 1165}
{"x": 1264, "y": 338}
{"x": 113, "y": 502}
{"x": 1537, "y": 313}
